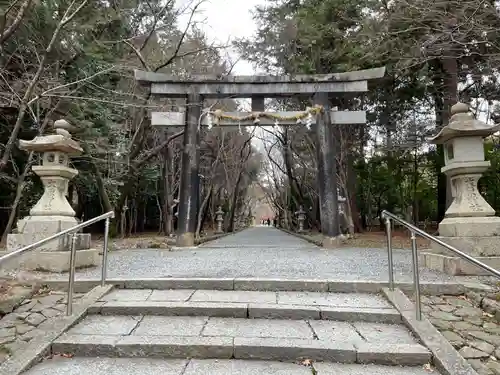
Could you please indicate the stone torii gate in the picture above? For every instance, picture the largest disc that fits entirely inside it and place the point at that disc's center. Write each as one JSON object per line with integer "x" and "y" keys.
{"x": 198, "y": 87}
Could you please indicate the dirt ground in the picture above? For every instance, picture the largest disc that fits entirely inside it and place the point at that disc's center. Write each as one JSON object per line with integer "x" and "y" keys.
{"x": 374, "y": 239}
{"x": 400, "y": 240}
{"x": 149, "y": 240}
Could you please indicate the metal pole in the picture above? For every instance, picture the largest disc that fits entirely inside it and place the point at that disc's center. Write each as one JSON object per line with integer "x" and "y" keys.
{"x": 71, "y": 284}
{"x": 389, "y": 253}
{"x": 416, "y": 277}
{"x": 105, "y": 253}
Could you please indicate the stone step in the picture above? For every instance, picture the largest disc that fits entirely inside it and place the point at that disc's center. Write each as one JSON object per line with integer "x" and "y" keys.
{"x": 248, "y": 304}
{"x": 279, "y": 349}
{"x": 260, "y": 284}
{"x": 248, "y": 310}
{"x": 241, "y": 338}
{"x": 149, "y": 366}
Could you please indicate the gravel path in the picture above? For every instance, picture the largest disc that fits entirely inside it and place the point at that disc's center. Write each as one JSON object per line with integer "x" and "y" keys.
{"x": 260, "y": 252}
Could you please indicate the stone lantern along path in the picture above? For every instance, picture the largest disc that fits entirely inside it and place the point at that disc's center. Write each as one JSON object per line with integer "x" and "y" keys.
{"x": 52, "y": 213}
{"x": 470, "y": 223}
{"x": 219, "y": 218}
{"x": 301, "y": 217}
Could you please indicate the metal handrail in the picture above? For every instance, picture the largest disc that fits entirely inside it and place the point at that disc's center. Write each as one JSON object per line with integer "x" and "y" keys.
{"x": 416, "y": 278}
{"x": 72, "y": 259}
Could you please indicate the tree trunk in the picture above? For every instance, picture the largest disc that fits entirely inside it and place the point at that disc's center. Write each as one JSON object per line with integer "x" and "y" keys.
{"x": 167, "y": 192}
{"x": 106, "y": 203}
{"x": 234, "y": 201}
{"x": 201, "y": 211}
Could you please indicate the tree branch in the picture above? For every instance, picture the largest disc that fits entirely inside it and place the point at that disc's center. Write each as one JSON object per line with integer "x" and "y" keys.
{"x": 17, "y": 21}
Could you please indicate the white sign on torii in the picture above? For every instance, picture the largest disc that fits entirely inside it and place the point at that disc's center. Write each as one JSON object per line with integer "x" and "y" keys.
{"x": 178, "y": 119}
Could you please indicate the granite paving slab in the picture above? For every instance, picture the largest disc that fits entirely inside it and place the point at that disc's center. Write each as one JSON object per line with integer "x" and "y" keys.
{"x": 128, "y": 295}
{"x": 335, "y": 331}
{"x": 170, "y": 325}
{"x": 247, "y": 310}
{"x": 389, "y": 333}
{"x": 257, "y": 328}
{"x": 108, "y": 366}
{"x": 176, "y": 295}
{"x": 333, "y": 299}
{"x": 169, "y": 308}
{"x": 140, "y": 366}
{"x": 354, "y": 332}
{"x": 106, "y": 325}
{"x": 356, "y": 369}
{"x": 343, "y": 300}
{"x": 240, "y": 367}
{"x": 224, "y": 347}
{"x": 233, "y": 296}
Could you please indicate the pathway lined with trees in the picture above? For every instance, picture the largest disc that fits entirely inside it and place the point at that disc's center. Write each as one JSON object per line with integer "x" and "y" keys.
{"x": 132, "y": 167}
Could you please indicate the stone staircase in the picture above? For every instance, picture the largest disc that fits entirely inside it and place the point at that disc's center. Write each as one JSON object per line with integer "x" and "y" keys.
{"x": 281, "y": 331}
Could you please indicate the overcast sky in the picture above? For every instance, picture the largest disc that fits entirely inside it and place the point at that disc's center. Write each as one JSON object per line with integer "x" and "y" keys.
{"x": 225, "y": 20}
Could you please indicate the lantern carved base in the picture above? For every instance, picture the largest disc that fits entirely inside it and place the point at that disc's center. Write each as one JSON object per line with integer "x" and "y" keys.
{"x": 53, "y": 261}
{"x": 54, "y": 255}
{"x": 455, "y": 266}
{"x": 478, "y": 237}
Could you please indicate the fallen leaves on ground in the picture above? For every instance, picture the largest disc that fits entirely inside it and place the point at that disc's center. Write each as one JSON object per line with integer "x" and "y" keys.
{"x": 377, "y": 240}
{"x": 142, "y": 241}
{"x": 63, "y": 355}
{"x": 428, "y": 367}
{"x": 306, "y": 362}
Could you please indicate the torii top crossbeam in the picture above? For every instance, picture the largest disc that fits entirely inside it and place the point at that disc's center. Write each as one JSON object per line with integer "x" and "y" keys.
{"x": 212, "y": 86}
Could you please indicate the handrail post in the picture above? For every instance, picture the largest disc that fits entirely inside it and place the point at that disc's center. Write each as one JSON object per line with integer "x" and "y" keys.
{"x": 105, "y": 253}
{"x": 71, "y": 283}
{"x": 416, "y": 276}
{"x": 389, "y": 253}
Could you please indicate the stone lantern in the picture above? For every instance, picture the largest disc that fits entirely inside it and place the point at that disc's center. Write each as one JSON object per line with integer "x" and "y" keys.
{"x": 342, "y": 214}
{"x": 52, "y": 213}
{"x": 342, "y": 203}
{"x": 301, "y": 217}
{"x": 470, "y": 223}
{"x": 219, "y": 218}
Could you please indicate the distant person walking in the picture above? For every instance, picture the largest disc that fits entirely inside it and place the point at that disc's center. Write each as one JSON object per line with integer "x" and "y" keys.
{"x": 268, "y": 222}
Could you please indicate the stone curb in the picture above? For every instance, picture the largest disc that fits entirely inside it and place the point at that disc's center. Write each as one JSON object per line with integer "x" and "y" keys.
{"x": 303, "y": 237}
{"x": 239, "y": 348}
{"x": 37, "y": 348}
{"x": 260, "y": 284}
{"x": 247, "y": 310}
{"x": 446, "y": 359}
{"x": 202, "y": 240}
